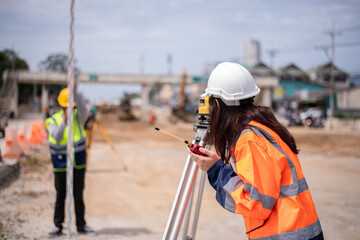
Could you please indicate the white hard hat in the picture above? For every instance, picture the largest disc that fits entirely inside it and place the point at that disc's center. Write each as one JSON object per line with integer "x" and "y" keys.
{"x": 231, "y": 82}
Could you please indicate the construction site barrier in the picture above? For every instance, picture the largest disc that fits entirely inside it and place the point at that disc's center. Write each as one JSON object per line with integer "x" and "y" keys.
{"x": 12, "y": 148}
{"x": 42, "y": 130}
{"x": 23, "y": 141}
{"x": 38, "y": 133}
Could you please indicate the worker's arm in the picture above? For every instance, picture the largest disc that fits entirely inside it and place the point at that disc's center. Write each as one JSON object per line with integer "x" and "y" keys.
{"x": 81, "y": 107}
{"x": 220, "y": 175}
{"x": 57, "y": 132}
{"x": 253, "y": 188}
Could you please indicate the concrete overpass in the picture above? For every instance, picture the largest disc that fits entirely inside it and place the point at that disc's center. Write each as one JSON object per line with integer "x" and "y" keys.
{"x": 44, "y": 79}
{"x": 61, "y": 78}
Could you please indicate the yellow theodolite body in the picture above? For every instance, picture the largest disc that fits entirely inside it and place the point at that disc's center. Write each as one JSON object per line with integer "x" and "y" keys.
{"x": 204, "y": 107}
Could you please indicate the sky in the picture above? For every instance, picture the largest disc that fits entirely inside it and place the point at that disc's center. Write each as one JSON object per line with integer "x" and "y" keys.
{"x": 135, "y": 36}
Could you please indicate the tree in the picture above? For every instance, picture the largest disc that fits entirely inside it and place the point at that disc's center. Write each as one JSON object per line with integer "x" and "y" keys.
{"x": 9, "y": 60}
{"x": 56, "y": 62}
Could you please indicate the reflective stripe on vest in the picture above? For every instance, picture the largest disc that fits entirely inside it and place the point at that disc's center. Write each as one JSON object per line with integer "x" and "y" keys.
{"x": 311, "y": 230}
{"x": 61, "y": 149}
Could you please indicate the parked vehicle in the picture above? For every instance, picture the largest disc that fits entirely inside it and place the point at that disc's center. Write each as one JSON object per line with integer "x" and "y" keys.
{"x": 313, "y": 117}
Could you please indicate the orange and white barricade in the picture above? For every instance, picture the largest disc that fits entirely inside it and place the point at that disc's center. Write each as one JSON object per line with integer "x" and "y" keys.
{"x": 12, "y": 148}
{"x": 42, "y": 130}
{"x": 35, "y": 137}
{"x": 23, "y": 141}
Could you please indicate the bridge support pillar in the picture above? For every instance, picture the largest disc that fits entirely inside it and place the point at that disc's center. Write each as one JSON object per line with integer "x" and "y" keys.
{"x": 44, "y": 98}
{"x": 14, "y": 108}
{"x": 145, "y": 101}
{"x": 266, "y": 97}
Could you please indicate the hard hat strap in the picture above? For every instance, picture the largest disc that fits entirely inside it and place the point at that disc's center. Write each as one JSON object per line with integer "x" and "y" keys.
{"x": 246, "y": 101}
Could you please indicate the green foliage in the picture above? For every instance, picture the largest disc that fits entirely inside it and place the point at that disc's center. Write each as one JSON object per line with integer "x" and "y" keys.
{"x": 56, "y": 62}
{"x": 9, "y": 60}
{"x": 2, "y": 235}
{"x": 131, "y": 95}
{"x": 341, "y": 116}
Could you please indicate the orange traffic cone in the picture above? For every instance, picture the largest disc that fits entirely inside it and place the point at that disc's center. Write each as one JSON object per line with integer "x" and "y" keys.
{"x": 24, "y": 143}
{"x": 42, "y": 130}
{"x": 11, "y": 148}
{"x": 35, "y": 138}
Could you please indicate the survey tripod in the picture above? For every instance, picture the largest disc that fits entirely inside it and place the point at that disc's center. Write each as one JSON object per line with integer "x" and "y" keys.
{"x": 89, "y": 134}
{"x": 185, "y": 192}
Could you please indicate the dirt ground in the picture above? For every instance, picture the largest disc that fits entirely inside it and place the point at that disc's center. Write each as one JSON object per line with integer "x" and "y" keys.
{"x": 135, "y": 204}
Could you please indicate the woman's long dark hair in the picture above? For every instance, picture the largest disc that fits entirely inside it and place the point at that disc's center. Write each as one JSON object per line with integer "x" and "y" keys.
{"x": 226, "y": 122}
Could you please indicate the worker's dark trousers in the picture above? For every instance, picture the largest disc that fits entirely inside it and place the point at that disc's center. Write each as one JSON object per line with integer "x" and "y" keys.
{"x": 78, "y": 188}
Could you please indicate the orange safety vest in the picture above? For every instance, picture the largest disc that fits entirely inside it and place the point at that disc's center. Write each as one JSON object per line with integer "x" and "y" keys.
{"x": 267, "y": 187}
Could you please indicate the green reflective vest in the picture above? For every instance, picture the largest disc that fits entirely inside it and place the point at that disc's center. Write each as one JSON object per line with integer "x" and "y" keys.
{"x": 58, "y": 149}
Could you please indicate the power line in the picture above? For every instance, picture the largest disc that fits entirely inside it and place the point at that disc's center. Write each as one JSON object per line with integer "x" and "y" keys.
{"x": 338, "y": 45}
{"x": 353, "y": 28}
{"x": 347, "y": 44}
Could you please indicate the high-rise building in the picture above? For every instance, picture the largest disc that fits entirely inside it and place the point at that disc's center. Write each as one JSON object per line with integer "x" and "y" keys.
{"x": 251, "y": 52}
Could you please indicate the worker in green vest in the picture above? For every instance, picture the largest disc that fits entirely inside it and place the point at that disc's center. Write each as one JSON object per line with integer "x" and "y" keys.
{"x": 58, "y": 135}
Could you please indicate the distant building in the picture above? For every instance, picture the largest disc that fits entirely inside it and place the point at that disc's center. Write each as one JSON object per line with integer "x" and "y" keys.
{"x": 267, "y": 81}
{"x": 295, "y": 84}
{"x": 348, "y": 99}
{"x": 355, "y": 80}
{"x": 251, "y": 52}
{"x": 292, "y": 72}
{"x": 322, "y": 75}
{"x": 260, "y": 69}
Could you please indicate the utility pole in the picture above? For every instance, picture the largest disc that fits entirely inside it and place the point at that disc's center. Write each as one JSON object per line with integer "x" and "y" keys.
{"x": 142, "y": 64}
{"x": 169, "y": 61}
{"x": 332, "y": 33}
{"x": 272, "y": 53}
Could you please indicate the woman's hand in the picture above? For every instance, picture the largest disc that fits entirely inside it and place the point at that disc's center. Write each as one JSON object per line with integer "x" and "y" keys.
{"x": 204, "y": 163}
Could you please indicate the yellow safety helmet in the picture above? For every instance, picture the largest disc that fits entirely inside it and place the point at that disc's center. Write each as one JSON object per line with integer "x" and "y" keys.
{"x": 63, "y": 98}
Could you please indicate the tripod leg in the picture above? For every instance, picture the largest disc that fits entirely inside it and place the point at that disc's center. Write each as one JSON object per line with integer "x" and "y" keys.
{"x": 181, "y": 200}
{"x": 198, "y": 205}
{"x": 89, "y": 132}
{"x": 188, "y": 212}
{"x": 183, "y": 193}
{"x": 105, "y": 135}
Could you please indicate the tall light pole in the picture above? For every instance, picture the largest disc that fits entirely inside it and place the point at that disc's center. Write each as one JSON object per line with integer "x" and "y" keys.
{"x": 169, "y": 61}
{"x": 272, "y": 53}
{"x": 142, "y": 64}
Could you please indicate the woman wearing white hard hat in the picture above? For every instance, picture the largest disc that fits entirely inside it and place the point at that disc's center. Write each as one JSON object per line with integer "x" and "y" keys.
{"x": 255, "y": 169}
